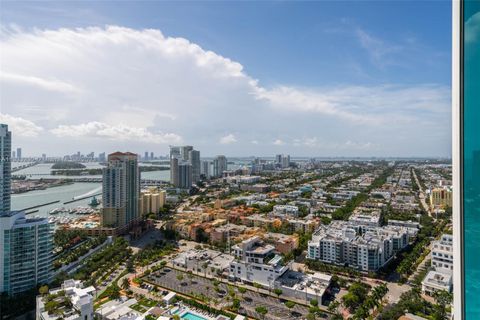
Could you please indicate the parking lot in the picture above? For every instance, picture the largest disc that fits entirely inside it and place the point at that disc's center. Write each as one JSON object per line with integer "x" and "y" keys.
{"x": 194, "y": 285}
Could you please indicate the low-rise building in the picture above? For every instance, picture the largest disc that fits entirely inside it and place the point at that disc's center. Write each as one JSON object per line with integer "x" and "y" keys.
{"x": 70, "y": 302}
{"x": 304, "y": 286}
{"x": 360, "y": 218}
{"x": 442, "y": 254}
{"x": 282, "y": 210}
{"x": 256, "y": 262}
{"x": 283, "y": 243}
{"x": 440, "y": 278}
{"x": 436, "y": 281}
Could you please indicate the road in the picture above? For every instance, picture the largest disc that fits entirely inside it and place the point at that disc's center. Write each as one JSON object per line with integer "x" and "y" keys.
{"x": 421, "y": 194}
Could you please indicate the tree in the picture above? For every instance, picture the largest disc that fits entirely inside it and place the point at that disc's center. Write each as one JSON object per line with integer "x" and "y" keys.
{"x": 257, "y": 285}
{"x": 179, "y": 277}
{"x": 43, "y": 290}
{"x": 125, "y": 284}
{"x": 236, "y": 304}
{"x": 262, "y": 311}
{"x": 443, "y": 298}
{"x": 333, "y": 306}
{"x": 277, "y": 291}
{"x": 314, "y": 302}
{"x": 290, "y": 304}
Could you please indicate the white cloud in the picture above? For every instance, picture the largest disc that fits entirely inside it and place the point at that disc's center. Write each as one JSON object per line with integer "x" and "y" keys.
{"x": 278, "y": 142}
{"x": 378, "y": 49}
{"x": 21, "y": 127}
{"x": 116, "y": 82}
{"x": 228, "y": 139}
{"x": 114, "y": 132}
{"x": 47, "y": 84}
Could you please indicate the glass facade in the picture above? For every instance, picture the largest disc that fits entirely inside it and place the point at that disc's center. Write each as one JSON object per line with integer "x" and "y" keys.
{"x": 27, "y": 253}
{"x": 470, "y": 78}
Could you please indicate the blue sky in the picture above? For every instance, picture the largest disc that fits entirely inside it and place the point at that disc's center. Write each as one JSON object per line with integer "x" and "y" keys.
{"x": 320, "y": 69}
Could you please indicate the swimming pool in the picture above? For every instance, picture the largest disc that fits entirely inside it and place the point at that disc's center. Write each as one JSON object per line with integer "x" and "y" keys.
{"x": 191, "y": 316}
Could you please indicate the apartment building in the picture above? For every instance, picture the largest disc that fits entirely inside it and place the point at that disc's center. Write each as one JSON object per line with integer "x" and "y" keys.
{"x": 359, "y": 246}
{"x": 441, "y": 277}
{"x": 121, "y": 190}
{"x": 282, "y": 210}
{"x": 26, "y": 246}
{"x": 442, "y": 254}
{"x": 441, "y": 197}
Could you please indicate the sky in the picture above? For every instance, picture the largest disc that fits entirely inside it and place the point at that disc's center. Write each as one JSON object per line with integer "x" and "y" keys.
{"x": 236, "y": 78}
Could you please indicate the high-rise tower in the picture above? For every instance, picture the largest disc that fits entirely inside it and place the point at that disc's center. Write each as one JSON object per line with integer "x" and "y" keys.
{"x": 5, "y": 167}
{"x": 121, "y": 190}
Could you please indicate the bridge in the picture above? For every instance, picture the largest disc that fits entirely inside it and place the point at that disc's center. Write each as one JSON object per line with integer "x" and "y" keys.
{"x": 143, "y": 182}
{"x": 28, "y": 165}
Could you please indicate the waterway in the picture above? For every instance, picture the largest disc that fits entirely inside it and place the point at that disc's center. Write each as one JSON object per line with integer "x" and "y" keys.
{"x": 64, "y": 193}
{"x": 69, "y": 192}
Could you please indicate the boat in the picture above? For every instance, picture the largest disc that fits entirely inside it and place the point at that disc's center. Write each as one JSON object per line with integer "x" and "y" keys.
{"x": 94, "y": 203}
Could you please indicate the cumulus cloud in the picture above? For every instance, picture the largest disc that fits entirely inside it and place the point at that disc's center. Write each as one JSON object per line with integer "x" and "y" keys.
{"x": 228, "y": 139}
{"x": 114, "y": 132}
{"x": 47, "y": 84}
{"x": 21, "y": 127}
{"x": 83, "y": 81}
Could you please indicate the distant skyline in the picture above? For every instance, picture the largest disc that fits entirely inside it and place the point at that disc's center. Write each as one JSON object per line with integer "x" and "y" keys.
{"x": 304, "y": 78}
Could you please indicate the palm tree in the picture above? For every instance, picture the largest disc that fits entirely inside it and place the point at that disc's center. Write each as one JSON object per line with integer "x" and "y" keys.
{"x": 125, "y": 284}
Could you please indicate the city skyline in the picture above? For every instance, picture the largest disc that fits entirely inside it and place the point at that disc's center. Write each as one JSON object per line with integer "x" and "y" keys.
{"x": 200, "y": 86}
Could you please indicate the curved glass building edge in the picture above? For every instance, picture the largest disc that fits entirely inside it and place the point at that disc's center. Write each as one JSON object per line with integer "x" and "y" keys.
{"x": 466, "y": 157}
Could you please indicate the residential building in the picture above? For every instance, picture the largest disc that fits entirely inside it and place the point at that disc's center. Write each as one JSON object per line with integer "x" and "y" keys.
{"x": 442, "y": 254}
{"x": 371, "y": 219}
{"x": 359, "y": 246}
{"x": 205, "y": 169}
{"x": 71, "y": 301}
{"x": 256, "y": 262}
{"x": 194, "y": 159}
{"x": 283, "y": 243}
{"x": 219, "y": 166}
{"x": 26, "y": 246}
{"x": 282, "y": 161}
{"x": 184, "y": 166}
{"x": 5, "y": 167}
{"x": 152, "y": 200}
{"x": 282, "y": 210}
{"x": 441, "y": 277}
{"x": 19, "y": 153}
{"x": 121, "y": 190}
{"x": 184, "y": 175}
{"x": 436, "y": 281}
{"x": 441, "y": 197}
